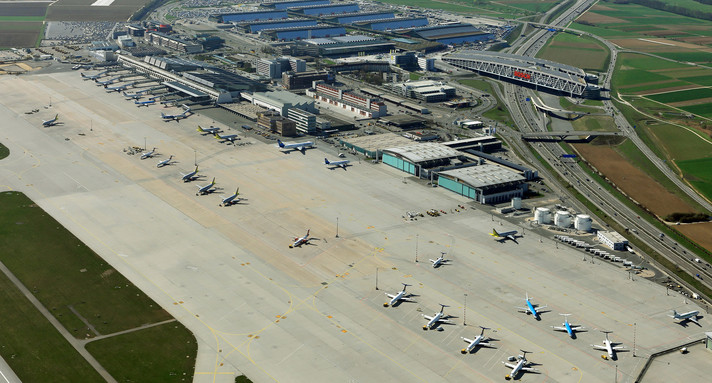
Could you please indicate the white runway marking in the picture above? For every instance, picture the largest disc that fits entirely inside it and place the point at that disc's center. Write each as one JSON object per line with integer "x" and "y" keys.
{"x": 102, "y": 3}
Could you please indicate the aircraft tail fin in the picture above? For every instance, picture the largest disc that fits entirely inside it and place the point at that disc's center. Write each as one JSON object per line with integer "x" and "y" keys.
{"x": 494, "y": 233}
{"x": 237, "y": 192}
{"x": 213, "y": 183}
{"x": 326, "y": 162}
{"x": 280, "y": 143}
{"x": 200, "y": 129}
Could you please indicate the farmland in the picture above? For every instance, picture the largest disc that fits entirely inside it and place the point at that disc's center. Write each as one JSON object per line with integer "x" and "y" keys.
{"x": 506, "y": 8}
{"x": 21, "y": 24}
{"x": 80, "y": 10}
{"x": 699, "y": 173}
{"x": 583, "y": 52}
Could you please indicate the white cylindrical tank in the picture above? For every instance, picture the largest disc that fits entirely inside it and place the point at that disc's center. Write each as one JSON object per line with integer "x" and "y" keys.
{"x": 542, "y": 215}
{"x": 562, "y": 218}
{"x": 517, "y": 203}
{"x": 583, "y": 222}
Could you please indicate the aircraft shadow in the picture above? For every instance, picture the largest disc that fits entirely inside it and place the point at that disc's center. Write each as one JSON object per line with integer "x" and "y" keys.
{"x": 399, "y": 302}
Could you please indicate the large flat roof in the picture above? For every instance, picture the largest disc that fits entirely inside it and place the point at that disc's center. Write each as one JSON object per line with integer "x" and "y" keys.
{"x": 428, "y": 151}
{"x": 518, "y": 60}
{"x": 283, "y": 97}
{"x": 376, "y": 142}
{"x": 482, "y": 176}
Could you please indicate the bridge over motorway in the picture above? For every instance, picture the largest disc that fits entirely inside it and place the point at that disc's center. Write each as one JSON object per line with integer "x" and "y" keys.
{"x": 563, "y": 113}
{"x": 561, "y": 135}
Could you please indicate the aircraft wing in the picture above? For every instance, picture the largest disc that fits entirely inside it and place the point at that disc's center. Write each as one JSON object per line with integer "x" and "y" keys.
{"x": 390, "y": 295}
{"x": 529, "y": 369}
{"x": 618, "y": 348}
{"x": 485, "y": 344}
{"x": 407, "y": 299}
{"x": 557, "y": 328}
{"x": 467, "y": 340}
{"x": 445, "y": 320}
{"x": 510, "y": 365}
{"x": 511, "y": 237}
{"x": 576, "y": 327}
{"x": 694, "y": 319}
{"x": 523, "y": 309}
{"x": 597, "y": 347}
{"x": 427, "y": 317}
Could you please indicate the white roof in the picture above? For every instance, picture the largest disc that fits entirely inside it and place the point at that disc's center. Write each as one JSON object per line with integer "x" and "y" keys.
{"x": 613, "y": 236}
{"x": 484, "y": 175}
{"x": 423, "y": 152}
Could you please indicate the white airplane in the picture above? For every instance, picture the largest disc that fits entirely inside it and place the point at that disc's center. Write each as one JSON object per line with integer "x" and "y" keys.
{"x": 401, "y": 296}
{"x": 226, "y": 137}
{"x": 530, "y": 309}
{"x": 150, "y": 154}
{"x": 337, "y": 164}
{"x": 144, "y": 103}
{"x": 440, "y": 261}
{"x": 164, "y": 162}
{"x": 568, "y": 327}
{"x": 92, "y": 76}
{"x": 300, "y": 146}
{"x": 190, "y": 176}
{"x": 480, "y": 340}
{"x": 135, "y": 96}
{"x": 51, "y": 122}
{"x": 691, "y": 316}
{"x": 105, "y": 83}
{"x": 435, "y": 319}
{"x": 229, "y": 200}
{"x": 520, "y": 366}
{"x": 118, "y": 88}
{"x": 177, "y": 117}
{"x": 504, "y": 236}
{"x": 210, "y": 130}
{"x": 202, "y": 190}
{"x": 298, "y": 242}
{"x": 608, "y": 346}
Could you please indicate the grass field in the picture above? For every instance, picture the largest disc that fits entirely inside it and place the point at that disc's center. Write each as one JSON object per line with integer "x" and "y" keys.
{"x": 19, "y": 34}
{"x": 4, "y": 151}
{"x": 32, "y": 346}
{"x": 683, "y": 95}
{"x": 704, "y": 110}
{"x": 67, "y": 277}
{"x": 699, "y": 173}
{"x": 164, "y": 356}
{"x": 80, "y": 10}
{"x": 583, "y": 52}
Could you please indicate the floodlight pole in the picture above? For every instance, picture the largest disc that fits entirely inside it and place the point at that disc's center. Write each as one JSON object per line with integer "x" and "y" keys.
{"x": 376, "y": 277}
{"x": 416, "y": 248}
{"x": 337, "y": 229}
{"x": 464, "y": 314}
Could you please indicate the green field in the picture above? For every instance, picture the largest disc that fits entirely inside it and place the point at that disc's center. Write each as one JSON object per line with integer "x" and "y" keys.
{"x": 20, "y": 34}
{"x": 32, "y": 346}
{"x": 76, "y": 285}
{"x": 699, "y": 173}
{"x": 164, "y": 356}
{"x": 682, "y": 95}
{"x": 583, "y": 52}
{"x": 704, "y": 110}
{"x": 4, "y": 151}
{"x": 622, "y": 78}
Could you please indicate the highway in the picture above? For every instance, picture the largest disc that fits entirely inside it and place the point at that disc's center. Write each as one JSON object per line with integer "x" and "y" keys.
{"x": 527, "y": 120}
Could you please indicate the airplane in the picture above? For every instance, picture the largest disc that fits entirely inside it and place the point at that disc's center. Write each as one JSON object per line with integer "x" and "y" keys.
{"x": 691, "y": 316}
{"x": 530, "y": 309}
{"x": 105, "y": 83}
{"x": 480, "y": 340}
{"x": 298, "y": 242}
{"x": 521, "y": 366}
{"x": 118, "y": 88}
{"x": 51, "y": 122}
{"x": 202, "y": 190}
{"x": 92, "y": 76}
{"x": 336, "y": 164}
{"x": 144, "y": 103}
{"x": 190, "y": 176}
{"x": 435, "y": 319}
{"x": 150, "y": 154}
{"x": 229, "y": 200}
{"x": 210, "y": 130}
{"x": 135, "y": 96}
{"x": 226, "y": 137}
{"x": 164, "y": 162}
{"x": 504, "y": 236}
{"x": 177, "y": 117}
{"x": 401, "y": 296}
{"x": 440, "y": 261}
{"x": 300, "y": 146}
{"x": 568, "y": 327}
{"x": 608, "y": 346}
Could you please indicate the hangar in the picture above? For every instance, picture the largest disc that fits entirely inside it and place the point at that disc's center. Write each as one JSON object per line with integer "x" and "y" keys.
{"x": 415, "y": 158}
{"x": 256, "y": 26}
{"x": 293, "y": 3}
{"x": 452, "y": 33}
{"x": 248, "y": 16}
{"x": 372, "y": 145}
{"x": 486, "y": 184}
{"x": 326, "y": 9}
{"x": 393, "y": 23}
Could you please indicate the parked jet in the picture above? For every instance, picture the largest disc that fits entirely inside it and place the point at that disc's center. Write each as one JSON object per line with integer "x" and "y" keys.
{"x": 439, "y": 261}
{"x": 401, "y": 296}
{"x": 531, "y": 309}
{"x": 609, "y": 346}
{"x": 436, "y": 318}
{"x": 150, "y": 154}
{"x": 51, "y": 122}
{"x": 298, "y": 242}
{"x": 105, "y": 83}
{"x": 504, "y": 236}
{"x": 229, "y": 200}
{"x": 210, "y": 130}
{"x": 164, "y": 162}
{"x": 480, "y": 340}
{"x": 177, "y": 117}
{"x": 190, "y": 176}
{"x": 226, "y": 137}
{"x": 300, "y": 146}
{"x": 92, "y": 76}
{"x": 568, "y": 327}
{"x": 135, "y": 96}
{"x": 118, "y": 88}
{"x": 521, "y": 366}
{"x": 144, "y": 103}
{"x": 202, "y": 190}
{"x": 691, "y": 316}
{"x": 337, "y": 164}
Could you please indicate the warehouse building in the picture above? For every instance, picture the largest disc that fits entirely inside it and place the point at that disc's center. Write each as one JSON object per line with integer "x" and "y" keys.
{"x": 248, "y": 16}
{"x": 613, "y": 240}
{"x": 427, "y": 90}
{"x": 304, "y": 80}
{"x": 368, "y": 66}
{"x": 293, "y": 3}
{"x": 256, "y": 26}
{"x": 361, "y": 106}
{"x": 163, "y": 40}
{"x": 452, "y": 34}
{"x": 350, "y": 18}
{"x": 281, "y": 101}
{"x": 326, "y": 9}
{"x": 394, "y": 23}
{"x": 224, "y": 81}
{"x": 486, "y": 144}
{"x": 415, "y": 159}
{"x": 350, "y": 45}
{"x": 302, "y": 33}
{"x": 486, "y": 184}
{"x": 373, "y": 145}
